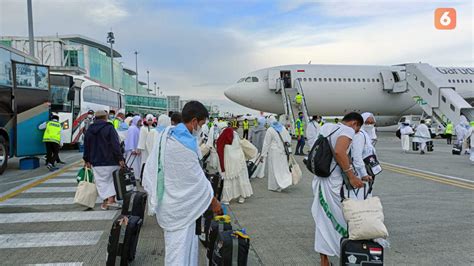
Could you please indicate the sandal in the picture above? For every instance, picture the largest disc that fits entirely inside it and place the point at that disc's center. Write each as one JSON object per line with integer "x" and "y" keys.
{"x": 104, "y": 207}
{"x": 114, "y": 205}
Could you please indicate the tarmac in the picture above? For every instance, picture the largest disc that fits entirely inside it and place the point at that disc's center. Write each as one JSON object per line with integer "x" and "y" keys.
{"x": 428, "y": 204}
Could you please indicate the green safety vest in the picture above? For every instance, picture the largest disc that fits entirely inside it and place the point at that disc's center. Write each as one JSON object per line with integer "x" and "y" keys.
{"x": 299, "y": 98}
{"x": 52, "y": 132}
{"x": 234, "y": 124}
{"x": 299, "y": 131}
{"x": 245, "y": 125}
{"x": 472, "y": 123}
{"x": 449, "y": 129}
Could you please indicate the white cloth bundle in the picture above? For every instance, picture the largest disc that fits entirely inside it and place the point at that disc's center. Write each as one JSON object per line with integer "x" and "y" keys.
{"x": 250, "y": 151}
{"x": 365, "y": 218}
{"x": 234, "y": 159}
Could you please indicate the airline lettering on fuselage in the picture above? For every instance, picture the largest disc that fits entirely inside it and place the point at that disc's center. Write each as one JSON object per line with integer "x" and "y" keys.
{"x": 465, "y": 71}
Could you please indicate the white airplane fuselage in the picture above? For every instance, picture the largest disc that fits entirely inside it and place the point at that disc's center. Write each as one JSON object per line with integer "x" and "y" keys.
{"x": 333, "y": 90}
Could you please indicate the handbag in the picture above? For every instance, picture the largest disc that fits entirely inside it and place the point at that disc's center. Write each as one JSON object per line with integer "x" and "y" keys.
{"x": 86, "y": 192}
{"x": 372, "y": 165}
{"x": 296, "y": 173}
{"x": 82, "y": 174}
{"x": 250, "y": 151}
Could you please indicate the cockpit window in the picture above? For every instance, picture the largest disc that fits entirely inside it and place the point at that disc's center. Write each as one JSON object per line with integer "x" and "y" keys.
{"x": 241, "y": 80}
{"x": 248, "y": 79}
{"x": 254, "y": 79}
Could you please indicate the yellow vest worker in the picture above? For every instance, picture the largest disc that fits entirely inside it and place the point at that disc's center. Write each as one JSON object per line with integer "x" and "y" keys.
{"x": 116, "y": 123}
{"x": 299, "y": 98}
{"x": 299, "y": 128}
{"x": 472, "y": 123}
{"x": 234, "y": 124}
{"x": 449, "y": 129}
{"x": 52, "y": 132}
{"x": 245, "y": 124}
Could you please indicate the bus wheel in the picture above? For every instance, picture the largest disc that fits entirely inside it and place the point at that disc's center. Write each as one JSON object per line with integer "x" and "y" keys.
{"x": 3, "y": 154}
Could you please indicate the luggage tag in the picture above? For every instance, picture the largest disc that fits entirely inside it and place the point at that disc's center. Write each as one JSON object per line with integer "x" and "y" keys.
{"x": 372, "y": 165}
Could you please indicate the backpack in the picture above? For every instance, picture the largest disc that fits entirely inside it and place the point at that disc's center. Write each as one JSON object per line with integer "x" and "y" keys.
{"x": 320, "y": 157}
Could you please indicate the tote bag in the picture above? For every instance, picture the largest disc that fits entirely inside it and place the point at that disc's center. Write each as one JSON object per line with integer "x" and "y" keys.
{"x": 86, "y": 192}
{"x": 295, "y": 170}
{"x": 364, "y": 218}
{"x": 250, "y": 151}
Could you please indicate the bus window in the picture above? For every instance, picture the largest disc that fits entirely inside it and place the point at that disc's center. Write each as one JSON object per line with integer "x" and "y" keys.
{"x": 59, "y": 99}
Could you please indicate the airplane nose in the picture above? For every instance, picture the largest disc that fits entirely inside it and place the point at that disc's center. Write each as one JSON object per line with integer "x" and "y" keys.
{"x": 231, "y": 93}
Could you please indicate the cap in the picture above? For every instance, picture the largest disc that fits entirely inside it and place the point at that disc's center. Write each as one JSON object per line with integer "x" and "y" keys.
{"x": 101, "y": 113}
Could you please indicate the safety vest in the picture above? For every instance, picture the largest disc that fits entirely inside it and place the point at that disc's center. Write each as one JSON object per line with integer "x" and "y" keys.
{"x": 234, "y": 124}
{"x": 299, "y": 98}
{"x": 255, "y": 123}
{"x": 299, "y": 131}
{"x": 245, "y": 125}
{"x": 449, "y": 129}
{"x": 52, "y": 132}
{"x": 472, "y": 123}
{"x": 116, "y": 123}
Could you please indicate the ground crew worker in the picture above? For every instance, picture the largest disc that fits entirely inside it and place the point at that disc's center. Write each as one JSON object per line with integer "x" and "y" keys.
{"x": 448, "y": 132}
{"x": 235, "y": 124}
{"x": 255, "y": 123}
{"x": 299, "y": 132}
{"x": 298, "y": 100}
{"x": 246, "y": 127}
{"x": 114, "y": 121}
{"x": 52, "y": 140}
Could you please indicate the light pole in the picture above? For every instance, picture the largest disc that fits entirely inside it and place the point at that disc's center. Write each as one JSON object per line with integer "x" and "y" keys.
{"x": 31, "y": 38}
{"x": 148, "y": 80}
{"x": 111, "y": 40}
{"x": 136, "y": 71}
{"x": 156, "y": 94}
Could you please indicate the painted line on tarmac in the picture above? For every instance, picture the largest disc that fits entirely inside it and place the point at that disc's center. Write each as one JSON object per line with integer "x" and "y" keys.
{"x": 51, "y": 189}
{"x": 430, "y": 173}
{"x": 50, "y": 239}
{"x": 39, "y": 201}
{"x": 61, "y": 181}
{"x": 58, "y": 264}
{"x": 430, "y": 177}
{"x": 38, "y": 180}
{"x": 42, "y": 217}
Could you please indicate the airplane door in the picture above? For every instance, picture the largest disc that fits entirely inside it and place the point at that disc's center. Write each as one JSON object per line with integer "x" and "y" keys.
{"x": 273, "y": 77}
{"x": 387, "y": 79}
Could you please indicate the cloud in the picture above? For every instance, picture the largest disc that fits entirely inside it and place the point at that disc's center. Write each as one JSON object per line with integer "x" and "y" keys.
{"x": 196, "y": 49}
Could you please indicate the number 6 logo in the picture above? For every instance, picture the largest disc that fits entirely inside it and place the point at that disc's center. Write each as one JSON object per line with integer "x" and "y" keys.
{"x": 445, "y": 18}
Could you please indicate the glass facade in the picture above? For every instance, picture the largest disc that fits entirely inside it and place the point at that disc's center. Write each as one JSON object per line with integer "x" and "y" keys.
{"x": 145, "y": 104}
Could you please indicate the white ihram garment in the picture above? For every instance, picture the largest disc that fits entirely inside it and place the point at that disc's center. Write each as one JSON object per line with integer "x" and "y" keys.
{"x": 405, "y": 131}
{"x": 213, "y": 160}
{"x": 236, "y": 176}
{"x": 278, "y": 171}
{"x": 104, "y": 180}
{"x": 187, "y": 195}
{"x": 327, "y": 238}
{"x": 145, "y": 141}
{"x": 312, "y": 133}
{"x": 422, "y": 135}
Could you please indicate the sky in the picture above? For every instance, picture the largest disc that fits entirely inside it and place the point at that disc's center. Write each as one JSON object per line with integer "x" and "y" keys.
{"x": 196, "y": 49}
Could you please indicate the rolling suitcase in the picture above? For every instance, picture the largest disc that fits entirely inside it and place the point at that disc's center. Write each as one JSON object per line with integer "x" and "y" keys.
{"x": 218, "y": 224}
{"x": 361, "y": 252}
{"x": 134, "y": 203}
{"x": 123, "y": 240}
{"x": 217, "y": 184}
{"x": 415, "y": 146}
{"x": 203, "y": 224}
{"x": 429, "y": 146}
{"x": 231, "y": 248}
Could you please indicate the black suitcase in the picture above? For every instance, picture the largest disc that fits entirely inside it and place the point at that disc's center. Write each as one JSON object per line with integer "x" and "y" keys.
{"x": 457, "y": 148}
{"x": 134, "y": 203}
{"x": 217, "y": 184}
{"x": 203, "y": 224}
{"x": 123, "y": 240}
{"x": 124, "y": 181}
{"x": 218, "y": 224}
{"x": 415, "y": 146}
{"x": 361, "y": 252}
{"x": 231, "y": 248}
{"x": 429, "y": 146}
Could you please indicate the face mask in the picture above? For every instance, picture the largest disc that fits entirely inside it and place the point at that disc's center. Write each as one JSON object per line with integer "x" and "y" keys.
{"x": 89, "y": 116}
{"x": 197, "y": 131}
{"x": 111, "y": 116}
{"x": 368, "y": 127}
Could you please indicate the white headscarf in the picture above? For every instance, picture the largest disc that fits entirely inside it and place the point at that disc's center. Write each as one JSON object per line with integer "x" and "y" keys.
{"x": 149, "y": 117}
{"x": 222, "y": 125}
{"x": 370, "y": 130}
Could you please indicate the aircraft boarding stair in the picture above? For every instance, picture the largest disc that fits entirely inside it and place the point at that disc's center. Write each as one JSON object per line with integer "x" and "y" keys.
{"x": 436, "y": 96}
{"x": 291, "y": 108}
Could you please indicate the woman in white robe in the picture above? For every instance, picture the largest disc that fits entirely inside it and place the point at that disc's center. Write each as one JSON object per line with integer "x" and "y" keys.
{"x": 405, "y": 132}
{"x": 213, "y": 160}
{"x": 422, "y": 136}
{"x": 471, "y": 134}
{"x": 278, "y": 171}
{"x": 257, "y": 137}
{"x": 145, "y": 140}
{"x": 233, "y": 167}
{"x": 461, "y": 131}
{"x": 132, "y": 153}
{"x": 312, "y": 132}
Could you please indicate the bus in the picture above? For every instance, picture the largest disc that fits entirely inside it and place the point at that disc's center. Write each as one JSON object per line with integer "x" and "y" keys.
{"x": 24, "y": 96}
{"x": 73, "y": 96}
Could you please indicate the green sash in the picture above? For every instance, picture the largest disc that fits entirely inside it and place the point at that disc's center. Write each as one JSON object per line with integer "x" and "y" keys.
{"x": 339, "y": 228}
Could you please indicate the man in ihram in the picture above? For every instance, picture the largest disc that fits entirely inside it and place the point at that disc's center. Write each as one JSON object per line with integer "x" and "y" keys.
{"x": 327, "y": 207}
{"x": 182, "y": 191}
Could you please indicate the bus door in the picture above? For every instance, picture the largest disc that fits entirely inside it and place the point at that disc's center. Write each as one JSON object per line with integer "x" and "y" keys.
{"x": 30, "y": 94}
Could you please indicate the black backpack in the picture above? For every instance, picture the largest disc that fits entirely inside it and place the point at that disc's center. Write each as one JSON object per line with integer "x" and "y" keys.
{"x": 320, "y": 157}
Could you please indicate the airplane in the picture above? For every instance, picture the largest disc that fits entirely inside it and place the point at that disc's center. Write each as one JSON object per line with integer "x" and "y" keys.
{"x": 334, "y": 90}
